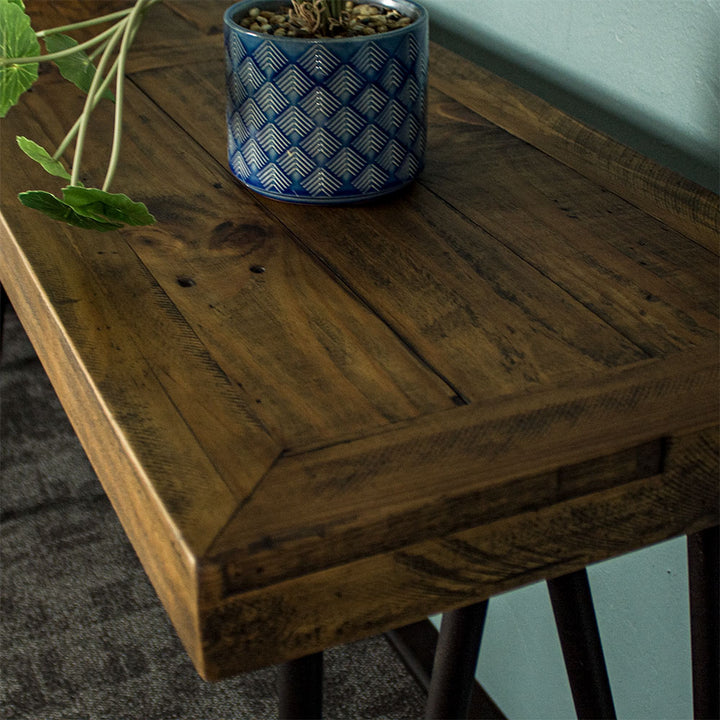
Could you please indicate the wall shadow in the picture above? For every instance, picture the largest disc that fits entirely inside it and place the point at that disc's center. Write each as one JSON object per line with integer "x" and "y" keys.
{"x": 703, "y": 170}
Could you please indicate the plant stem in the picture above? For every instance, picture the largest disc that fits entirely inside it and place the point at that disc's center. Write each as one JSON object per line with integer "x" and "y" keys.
{"x": 335, "y": 8}
{"x": 84, "y": 23}
{"x": 133, "y": 23}
{"x": 98, "y": 96}
{"x": 100, "y": 48}
{"x": 124, "y": 29}
{"x": 90, "y": 99}
{"x": 63, "y": 53}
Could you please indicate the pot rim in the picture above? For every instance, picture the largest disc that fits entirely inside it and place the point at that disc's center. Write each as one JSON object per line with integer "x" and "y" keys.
{"x": 411, "y": 8}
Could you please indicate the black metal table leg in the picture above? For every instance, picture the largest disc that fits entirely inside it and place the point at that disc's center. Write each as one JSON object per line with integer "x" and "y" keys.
{"x": 300, "y": 688}
{"x": 415, "y": 644}
{"x": 580, "y": 641}
{"x": 456, "y": 658}
{"x": 704, "y": 610}
{"x": 3, "y": 308}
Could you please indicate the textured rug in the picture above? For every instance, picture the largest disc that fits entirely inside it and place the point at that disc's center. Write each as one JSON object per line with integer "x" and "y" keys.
{"x": 82, "y": 633}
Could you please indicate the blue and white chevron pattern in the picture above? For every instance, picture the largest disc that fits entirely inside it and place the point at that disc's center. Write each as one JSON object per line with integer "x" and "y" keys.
{"x": 326, "y": 121}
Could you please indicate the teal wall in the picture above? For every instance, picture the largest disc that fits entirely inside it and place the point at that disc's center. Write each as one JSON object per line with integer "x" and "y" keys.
{"x": 644, "y": 616}
{"x": 641, "y": 602}
{"x": 646, "y": 72}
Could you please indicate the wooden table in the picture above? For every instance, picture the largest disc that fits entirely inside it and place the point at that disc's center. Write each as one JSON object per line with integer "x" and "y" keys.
{"x": 316, "y": 424}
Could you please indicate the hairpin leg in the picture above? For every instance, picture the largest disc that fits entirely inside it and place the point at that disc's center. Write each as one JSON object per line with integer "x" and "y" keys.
{"x": 580, "y": 640}
{"x": 703, "y": 576}
{"x": 456, "y": 658}
{"x": 3, "y": 308}
{"x": 300, "y": 688}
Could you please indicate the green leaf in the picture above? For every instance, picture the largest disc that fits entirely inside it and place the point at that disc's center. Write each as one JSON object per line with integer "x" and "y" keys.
{"x": 42, "y": 156}
{"x": 17, "y": 39}
{"x": 104, "y": 206}
{"x": 77, "y": 68}
{"x": 56, "y": 209}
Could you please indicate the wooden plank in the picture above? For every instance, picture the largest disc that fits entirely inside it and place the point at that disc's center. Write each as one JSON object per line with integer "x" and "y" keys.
{"x": 206, "y": 17}
{"x": 162, "y": 27}
{"x": 166, "y": 37}
{"x": 129, "y": 335}
{"x": 682, "y": 204}
{"x": 490, "y": 322}
{"x": 340, "y": 604}
{"x": 652, "y": 284}
{"x": 507, "y": 199}
{"x": 655, "y": 287}
{"x": 486, "y": 321}
{"x": 45, "y": 15}
{"x": 151, "y": 510}
{"x": 304, "y": 354}
{"x": 171, "y": 36}
{"x": 470, "y": 466}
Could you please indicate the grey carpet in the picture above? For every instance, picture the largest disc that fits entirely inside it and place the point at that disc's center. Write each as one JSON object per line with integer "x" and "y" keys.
{"x": 82, "y": 634}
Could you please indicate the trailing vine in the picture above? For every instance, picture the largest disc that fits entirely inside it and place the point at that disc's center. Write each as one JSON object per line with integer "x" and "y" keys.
{"x": 20, "y": 57}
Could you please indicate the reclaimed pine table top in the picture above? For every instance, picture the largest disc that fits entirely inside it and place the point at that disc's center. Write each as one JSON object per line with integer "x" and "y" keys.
{"x": 317, "y": 424}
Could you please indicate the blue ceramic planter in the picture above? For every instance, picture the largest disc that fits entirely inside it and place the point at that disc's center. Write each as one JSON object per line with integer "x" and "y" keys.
{"x": 326, "y": 120}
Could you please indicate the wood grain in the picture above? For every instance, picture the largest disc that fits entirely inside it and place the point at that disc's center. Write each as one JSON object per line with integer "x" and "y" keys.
{"x": 316, "y": 424}
{"x": 288, "y": 339}
{"x": 653, "y": 285}
{"x": 469, "y": 467}
{"x": 463, "y": 300}
{"x": 166, "y": 36}
{"x": 166, "y": 524}
{"x": 649, "y": 290}
{"x": 680, "y": 203}
{"x": 368, "y": 595}
{"x": 121, "y": 320}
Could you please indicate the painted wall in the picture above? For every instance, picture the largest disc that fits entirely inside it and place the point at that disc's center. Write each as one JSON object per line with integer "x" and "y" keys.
{"x": 646, "y": 72}
{"x": 641, "y": 603}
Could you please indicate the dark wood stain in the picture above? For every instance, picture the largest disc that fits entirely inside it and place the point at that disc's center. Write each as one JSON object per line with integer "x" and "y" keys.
{"x": 316, "y": 424}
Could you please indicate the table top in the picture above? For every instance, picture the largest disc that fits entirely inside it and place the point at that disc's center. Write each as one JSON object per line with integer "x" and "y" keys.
{"x": 319, "y": 423}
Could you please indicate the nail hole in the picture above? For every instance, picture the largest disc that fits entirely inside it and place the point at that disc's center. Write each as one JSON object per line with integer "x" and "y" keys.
{"x": 257, "y": 269}
{"x": 185, "y": 281}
